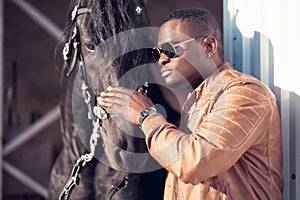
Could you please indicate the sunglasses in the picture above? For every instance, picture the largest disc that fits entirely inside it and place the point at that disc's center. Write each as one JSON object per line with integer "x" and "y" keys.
{"x": 169, "y": 49}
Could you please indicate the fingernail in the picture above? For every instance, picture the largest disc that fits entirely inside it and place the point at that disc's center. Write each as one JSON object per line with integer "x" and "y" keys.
{"x": 109, "y": 88}
{"x": 102, "y": 93}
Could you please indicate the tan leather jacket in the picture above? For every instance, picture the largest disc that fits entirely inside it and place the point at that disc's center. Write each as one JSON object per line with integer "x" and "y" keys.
{"x": 233, "y": 149}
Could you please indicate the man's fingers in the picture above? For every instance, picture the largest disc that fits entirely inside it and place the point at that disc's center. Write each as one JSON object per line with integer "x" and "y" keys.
{"x": 125, "y": 102}
{"x": 112, "y": 98}
{"x": 105, "y": 102}
{"x": 117, "y": 92}
{"x": 120, "y": 90}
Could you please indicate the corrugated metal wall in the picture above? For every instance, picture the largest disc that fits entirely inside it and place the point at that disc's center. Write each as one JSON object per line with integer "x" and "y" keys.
{"x": 249, "y": 29}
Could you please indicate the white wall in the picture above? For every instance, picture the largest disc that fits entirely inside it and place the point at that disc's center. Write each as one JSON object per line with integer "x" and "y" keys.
{"x": 260, "y": 38}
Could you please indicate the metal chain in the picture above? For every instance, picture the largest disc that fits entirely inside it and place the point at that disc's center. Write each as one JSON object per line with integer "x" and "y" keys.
{"x": 73, "y": 180}
{"x": 87, "y": 157}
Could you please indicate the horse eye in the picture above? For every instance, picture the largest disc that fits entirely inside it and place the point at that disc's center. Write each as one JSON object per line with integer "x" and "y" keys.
{"x": 89, "y": 47}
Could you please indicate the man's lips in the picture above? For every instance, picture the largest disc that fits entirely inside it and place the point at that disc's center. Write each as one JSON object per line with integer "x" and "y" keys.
{"x": 165, "y": 72}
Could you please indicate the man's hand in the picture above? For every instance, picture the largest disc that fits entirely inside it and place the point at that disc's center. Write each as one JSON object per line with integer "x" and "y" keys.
{"x": 125, "y": 102}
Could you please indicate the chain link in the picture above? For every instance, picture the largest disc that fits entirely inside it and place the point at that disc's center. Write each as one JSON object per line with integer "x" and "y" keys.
{"x": 73, "y": 180}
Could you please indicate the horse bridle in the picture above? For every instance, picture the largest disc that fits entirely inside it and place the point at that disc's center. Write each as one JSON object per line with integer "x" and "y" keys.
{"x": 72, "y": 55}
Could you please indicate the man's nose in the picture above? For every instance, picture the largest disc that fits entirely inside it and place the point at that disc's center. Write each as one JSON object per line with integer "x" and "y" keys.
{"x": 163, "y": 59}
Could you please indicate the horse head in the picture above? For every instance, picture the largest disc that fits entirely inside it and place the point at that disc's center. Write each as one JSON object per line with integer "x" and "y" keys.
{"x": 99, "y": 48}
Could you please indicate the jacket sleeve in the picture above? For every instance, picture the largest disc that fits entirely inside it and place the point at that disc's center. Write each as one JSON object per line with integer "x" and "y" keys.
{"x": 229, "y": 125}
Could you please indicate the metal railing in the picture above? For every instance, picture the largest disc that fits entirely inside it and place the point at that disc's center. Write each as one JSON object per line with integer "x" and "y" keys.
{"x": 52, "y": 116}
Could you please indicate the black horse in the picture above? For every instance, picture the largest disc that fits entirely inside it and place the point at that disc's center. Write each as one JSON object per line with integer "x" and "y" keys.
{"x": 99, "y": 44}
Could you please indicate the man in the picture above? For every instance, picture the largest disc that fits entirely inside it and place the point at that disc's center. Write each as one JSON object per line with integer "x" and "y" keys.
{"x": 228, "y": 144}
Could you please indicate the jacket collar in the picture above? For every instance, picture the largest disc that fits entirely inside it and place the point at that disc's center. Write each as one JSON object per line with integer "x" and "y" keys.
{"x": 197, "y": 93}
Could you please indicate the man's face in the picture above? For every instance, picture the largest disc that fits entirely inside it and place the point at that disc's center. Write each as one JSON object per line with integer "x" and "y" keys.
{"x": 188, "y": 68}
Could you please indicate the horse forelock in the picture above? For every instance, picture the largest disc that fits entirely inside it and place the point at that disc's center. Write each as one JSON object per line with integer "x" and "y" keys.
{"x": 106, "y": 20}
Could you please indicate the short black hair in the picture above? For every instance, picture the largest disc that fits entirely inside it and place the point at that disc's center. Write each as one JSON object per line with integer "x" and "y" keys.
{"x": 199, "y": 22}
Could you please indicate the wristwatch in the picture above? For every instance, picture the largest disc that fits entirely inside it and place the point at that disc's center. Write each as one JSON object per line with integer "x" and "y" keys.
{"x": 145, "y": 113}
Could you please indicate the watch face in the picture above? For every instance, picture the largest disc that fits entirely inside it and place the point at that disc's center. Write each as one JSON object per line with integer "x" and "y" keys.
{"x": 145, "y": 113}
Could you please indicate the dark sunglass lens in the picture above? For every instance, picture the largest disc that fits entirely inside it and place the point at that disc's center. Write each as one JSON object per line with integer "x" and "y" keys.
{"x": 168, "y": 50}
{"x": 156, "y": 54}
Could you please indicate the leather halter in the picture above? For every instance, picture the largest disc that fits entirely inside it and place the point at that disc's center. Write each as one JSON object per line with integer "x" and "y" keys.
{"x": 72, "y": 55}
{"x": 69, "y": 56}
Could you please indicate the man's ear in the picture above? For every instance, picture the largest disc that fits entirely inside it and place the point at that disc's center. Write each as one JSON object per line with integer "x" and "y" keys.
{"x": 210, "y": 45}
